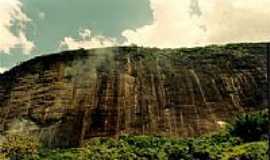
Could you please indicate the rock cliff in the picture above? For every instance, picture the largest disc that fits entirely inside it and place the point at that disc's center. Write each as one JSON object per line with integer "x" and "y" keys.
{"x": 68, "y": 97}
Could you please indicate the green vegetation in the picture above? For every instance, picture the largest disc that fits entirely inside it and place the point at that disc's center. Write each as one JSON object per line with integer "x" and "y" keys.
{"x": 19, "y": 147}
{"x": 249, "y": 151}
{"x": 227, "y": 144}
{"x": 251, "y": 127}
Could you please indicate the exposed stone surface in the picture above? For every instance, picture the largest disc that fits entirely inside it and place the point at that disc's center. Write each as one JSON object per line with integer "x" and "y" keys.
{"x": 72, "y": 96}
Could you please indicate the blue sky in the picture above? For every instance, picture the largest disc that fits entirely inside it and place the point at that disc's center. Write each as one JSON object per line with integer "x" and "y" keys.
{"x": 51, "y": 21}
{"x": 33, "y": 27}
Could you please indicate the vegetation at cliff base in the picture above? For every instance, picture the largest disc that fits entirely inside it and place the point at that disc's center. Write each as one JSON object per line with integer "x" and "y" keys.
{"x": 251, "y": 127}
{"x": 230, "y": 143}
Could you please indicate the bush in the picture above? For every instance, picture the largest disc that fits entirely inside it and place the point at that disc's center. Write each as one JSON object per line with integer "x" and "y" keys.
{"x": 57, "y": 154}
{"x": 212, "y": 147}
{"x": 248, "y": 151}
{"x": 175, "y": 152}
{"x": 3, "y": 156}
{"x": 251, "y": 127}
{"x": 19, "y": 147}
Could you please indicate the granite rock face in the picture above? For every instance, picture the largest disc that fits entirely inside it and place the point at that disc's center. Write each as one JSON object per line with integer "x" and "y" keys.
{"x": 72, "y": 96}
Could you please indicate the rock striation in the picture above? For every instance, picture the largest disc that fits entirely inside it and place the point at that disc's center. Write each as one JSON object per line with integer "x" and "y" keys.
{"x": 72, "y": 96}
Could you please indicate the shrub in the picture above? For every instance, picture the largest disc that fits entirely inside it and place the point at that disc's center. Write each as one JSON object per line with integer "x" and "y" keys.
{"x": 248, "y": 151}
{"x": 251, "y": 127}
{"x": 19, "y": 146}
{"x": 175, "y": 152}
{"x": 144, "y": 141}
{"x": 3, "y": 156}
{"x": 212, "y": 146}
{"x": 58, "y": 154}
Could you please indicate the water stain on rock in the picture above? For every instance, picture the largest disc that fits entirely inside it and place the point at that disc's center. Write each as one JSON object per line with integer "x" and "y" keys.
{"x": 76, "y": 95}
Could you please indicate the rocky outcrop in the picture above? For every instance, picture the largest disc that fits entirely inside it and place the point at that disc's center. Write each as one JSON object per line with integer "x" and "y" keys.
{"x": 68, "y": 97}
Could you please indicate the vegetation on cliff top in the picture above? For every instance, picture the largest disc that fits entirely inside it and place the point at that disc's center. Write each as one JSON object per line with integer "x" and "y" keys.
{"x": 248, "y": 50}
{"x": 231, "y": 143}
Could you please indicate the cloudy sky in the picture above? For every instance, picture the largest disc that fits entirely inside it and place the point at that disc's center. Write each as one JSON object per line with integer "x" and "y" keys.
{"x": 33, "y": 27}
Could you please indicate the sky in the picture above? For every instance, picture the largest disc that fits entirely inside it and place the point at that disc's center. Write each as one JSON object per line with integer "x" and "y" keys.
{"x": 29, "y": 28}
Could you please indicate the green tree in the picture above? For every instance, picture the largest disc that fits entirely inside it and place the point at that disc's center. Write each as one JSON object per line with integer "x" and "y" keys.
{"x": 251, "y": 127}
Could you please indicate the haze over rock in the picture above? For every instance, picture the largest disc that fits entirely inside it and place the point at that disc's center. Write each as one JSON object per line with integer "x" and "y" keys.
{"x": 72, "y": 96}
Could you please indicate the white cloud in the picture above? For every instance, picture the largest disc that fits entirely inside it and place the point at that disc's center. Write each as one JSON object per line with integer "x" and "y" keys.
{"x": 172, "y": 26}
{"x": 236, "y": 20}
{"x": 2, "y": 70}
{"x": 87, "y": 40}
{"x": 220, "y": 21}
{"x": 10, "y": 12}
